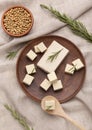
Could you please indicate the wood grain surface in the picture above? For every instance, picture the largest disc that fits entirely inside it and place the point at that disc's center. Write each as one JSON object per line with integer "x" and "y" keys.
{"x": 72, "y": 83}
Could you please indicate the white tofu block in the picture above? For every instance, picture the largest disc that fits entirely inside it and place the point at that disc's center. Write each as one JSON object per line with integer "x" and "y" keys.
{"x": 69, "y": 69}
{"x": 45, "y": 84}
{"x": 36, "y": 49}
{"x": 57, "y": 85}
{"x": 50, "y": 105}
{"x": 52, "y": 77}
{"x": 78, "y": 64}
{"x": 30, "y": 69}
{"x": 41, "y": 46}
{"x": 28, "y": 79}
{"x": 49, "y": 66}
{"x": 31, "y": 55}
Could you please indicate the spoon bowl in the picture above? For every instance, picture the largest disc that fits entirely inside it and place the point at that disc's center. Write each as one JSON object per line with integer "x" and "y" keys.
{"x": 58, "y": 111}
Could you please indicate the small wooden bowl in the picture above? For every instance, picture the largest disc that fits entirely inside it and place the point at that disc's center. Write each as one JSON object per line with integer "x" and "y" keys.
{"x": 26, "y": 31}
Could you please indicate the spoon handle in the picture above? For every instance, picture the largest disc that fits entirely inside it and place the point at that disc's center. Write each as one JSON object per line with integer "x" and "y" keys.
{"x": 74, "y": 122}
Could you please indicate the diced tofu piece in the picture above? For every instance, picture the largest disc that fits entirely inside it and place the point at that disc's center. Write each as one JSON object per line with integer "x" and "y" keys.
{"x": 52, "y": 77}
{"x": 41, "y": 46}
{"x": 31, "y": 55}
{"x": 45, "y": 84}
{"x": 50, "y": 105}
{"x": 69, "y": 69}
{"x": 57, "y": 85}
{"x": 30, "y": 69}
{"x": 49, "y": 66}
{"x": 28, "y": 79}
{"x": 78, "y": 64}
{"x": 36, "y": 49}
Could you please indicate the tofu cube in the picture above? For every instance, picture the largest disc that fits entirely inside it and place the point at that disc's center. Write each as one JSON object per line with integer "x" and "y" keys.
{"x": 52, "y": 77}
{"x": 57, "y": 85}
{"x": 30, "y": 69}
{"x": 69, "y": 69}
{"x": 31, "y": 55}
{"x": 28, "y": 79}
{"x": 41, "y": 46}
{"x": 45, "y": 84}
{"x": 50, "y": 105}
{"x": 78, "y": 64}
{"x": 36, "y": 49}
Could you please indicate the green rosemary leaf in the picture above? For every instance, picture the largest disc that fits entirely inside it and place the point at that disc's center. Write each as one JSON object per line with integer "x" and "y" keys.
{"x": 33, "y": 70}
{"x": 76, "y": 26}
{"x": 71, "y": 69}
{"x": 48, "y": 108}
{"x": 11, "y": 54}
{"x": 54, "y": 55}
{"x": 18, "y": 117}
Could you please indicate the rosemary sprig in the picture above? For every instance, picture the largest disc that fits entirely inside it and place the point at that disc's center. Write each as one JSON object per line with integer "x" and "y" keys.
{"x": 77, "y": 27}
{"x": 73, "y": 68}
{"x": 18, "y": 117}
{"x": 48, "y": 108}
{"x": 33, "y": 70}
{"x": 54, "y": 55}
{"x": 11, "y": 54}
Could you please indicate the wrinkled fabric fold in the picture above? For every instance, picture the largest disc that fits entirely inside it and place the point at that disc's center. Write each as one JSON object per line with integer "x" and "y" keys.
{"x": 79, "y": 108}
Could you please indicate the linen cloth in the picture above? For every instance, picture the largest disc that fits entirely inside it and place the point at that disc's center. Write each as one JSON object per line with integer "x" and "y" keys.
{"x": 80, "y": 107}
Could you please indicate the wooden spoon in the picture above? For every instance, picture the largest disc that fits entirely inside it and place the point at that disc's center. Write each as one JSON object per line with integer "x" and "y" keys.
{"x": 58, "y": 111}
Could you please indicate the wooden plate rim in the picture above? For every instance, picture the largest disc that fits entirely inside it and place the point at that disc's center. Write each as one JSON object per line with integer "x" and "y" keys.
{"x": 26, "y": 91}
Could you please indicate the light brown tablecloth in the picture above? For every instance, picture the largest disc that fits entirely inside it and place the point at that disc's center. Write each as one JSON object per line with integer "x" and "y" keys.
{"x": 80, "y": 107}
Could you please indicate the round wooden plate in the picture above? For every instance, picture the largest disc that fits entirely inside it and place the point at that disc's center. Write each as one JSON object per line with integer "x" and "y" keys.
{"x": 71, "y": 83}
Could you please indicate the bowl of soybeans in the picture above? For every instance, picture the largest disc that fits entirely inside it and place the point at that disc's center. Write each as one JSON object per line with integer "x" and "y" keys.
{"x": 17, "y": 21}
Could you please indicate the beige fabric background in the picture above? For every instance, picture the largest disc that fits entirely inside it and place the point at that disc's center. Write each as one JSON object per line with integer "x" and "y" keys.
{"x": 80, "y": 107}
